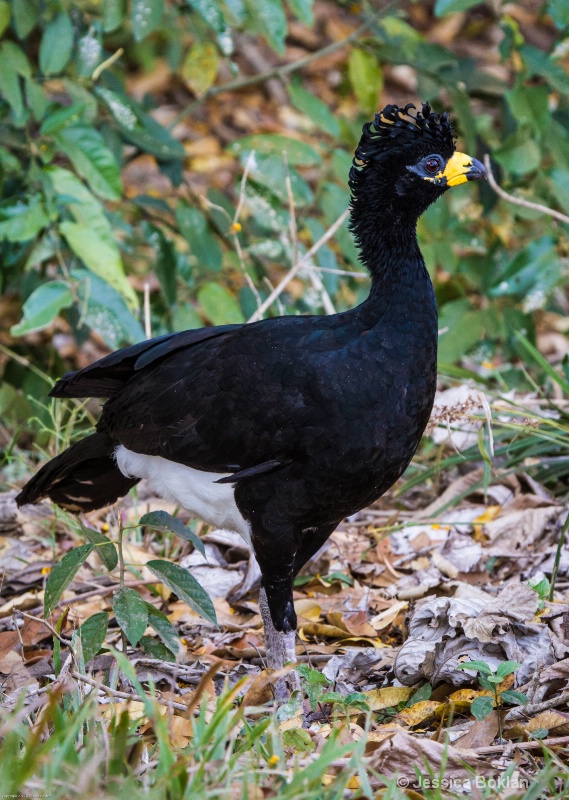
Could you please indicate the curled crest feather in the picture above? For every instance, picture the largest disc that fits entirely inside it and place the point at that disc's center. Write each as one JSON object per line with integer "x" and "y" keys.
{"x": 396, "y": 128}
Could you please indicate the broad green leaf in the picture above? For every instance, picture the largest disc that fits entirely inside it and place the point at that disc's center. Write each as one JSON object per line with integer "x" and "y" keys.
{"x": 314, "y": 108}
{"x": 200, "y": 66}
{"x": 444, "y": 7}
{"x": 219, "y": 305}
{"x": 302, "y": 10}
{"x": 145, "y": 16}
{"x": 5, "y": 15}
{"x": 140, "y": 128}
{"x": 299, "y": 740}
{"x": 104, "y": 260}
{"x": 164, "y": 629}
{"x": 540, "y": 63}
{"x": 105, "y": 549}
{"x": 476, "y": 666}
{"x": 558, "y": 10}
{"x": 36, "y": 99}
{"x": 516, "y": 698}
{"x": 506, "y": 668}
{"x": 560, "y": 186}
{"x": 271, "y": 21}
{"x": 89, "y": 53}
{"x": 161, "y": 520}
{"x": 68, "y": 115}
{"x": 185, "y": 586}
{"x": 298, "y": 153}
{"x": 113, "y": 14}
{"x": 131, "y": 614}
{"x": 25, "y": 16}
{"x": 156, "y": 649}
{"x": 56, "y": 45}
{"x": 195, "y": 229}
{"x": 271, "y": 171}
{"x": 529, "y": 105}
{"x": 21, "y": 222}
{"x": 43, "y": 306}
{"x": 211, "y": 12}
{"x": 62, "y": 574}
{"x": 482, "y": 707}
{"x": 366, "y": 78}
{"x": 166, "y": 262}
{"x": 92, "y": 634}
{"x": 13, "y": 65}
{"x": 518, "y": 154}
{"x": 84, "y": 206}
{"x": 87, "y": 151}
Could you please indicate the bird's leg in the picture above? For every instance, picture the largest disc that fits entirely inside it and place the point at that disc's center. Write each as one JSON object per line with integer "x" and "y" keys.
{"x": 280, "y": 649}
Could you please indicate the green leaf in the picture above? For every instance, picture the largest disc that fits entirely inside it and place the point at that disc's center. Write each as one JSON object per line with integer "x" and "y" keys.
{"x": 558, "y": 10}
{"x": 540, "y": 63}
{"x": 5, "y": 15}
{"x": 299, "y": 740}
{"x": 444, "y": 7}
{"x": 423, "y": 693}
{"x": 105, "y": 549}
{"x": 518, "y": 154}
{"x": 219, "y": 305}
{"x": 166, "y": 262}
{"x": 84, "y": 206}
{"x": 156, "y": 649}
{"x": 140, "y": 128}
{"x": 103, "y": 259}
{"x": 366, "y": 78}
{"x": 36, "y": 99}
{"x": 476, "y": 666}
{"x": 302, "y": 10}
{"x": 43, "y": 306}
{"x": 26, "y": 14}
{"x": 104, "y": 310}
{"x": 542, "y": 361}
{"x": 131, "y": 613}
{"x": 62, "y": 574}
{"x": 530, "y": 106}
{"x": 145, "y": 16}
{"x": 298, "y": 153}
{"x": 22, "y": 222}
{"x": 185, "y": 586}
{"x": 56, "y": 45}
{"x": 516, "y": 698}
{"x": 271, "y": 21}
{"x": 113, "y": 14}
{"x": 506, "y": 668}
{"x": 482, "y": 707}
{"x": 314, "y": 108}
{"x": 162, "y": 521}
{"x": 194, "y": 228}
{"x": 87, "y": 151}
{"x": 272, "y": 171}
{"x": 165, "y": 630}
{"x": 200, "y": 66}
{"x": 13, "y": 66}
{"x": 92, "y": 634}
{"x": 210, "y": 11}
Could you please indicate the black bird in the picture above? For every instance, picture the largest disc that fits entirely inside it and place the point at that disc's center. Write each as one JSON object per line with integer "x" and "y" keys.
{"x": 280, "y": 429}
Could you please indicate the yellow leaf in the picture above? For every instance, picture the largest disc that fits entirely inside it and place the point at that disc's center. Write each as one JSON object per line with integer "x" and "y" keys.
{"x": 390, "y": 697}
{"x": 200, "y": 66}
{"x": 420, "y": 712}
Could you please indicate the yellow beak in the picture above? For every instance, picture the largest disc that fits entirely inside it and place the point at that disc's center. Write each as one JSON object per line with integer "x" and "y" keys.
{"x": 461, "y": 168}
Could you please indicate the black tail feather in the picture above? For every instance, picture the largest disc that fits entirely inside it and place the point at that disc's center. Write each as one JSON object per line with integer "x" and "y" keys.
{"x": 82, "y": 478}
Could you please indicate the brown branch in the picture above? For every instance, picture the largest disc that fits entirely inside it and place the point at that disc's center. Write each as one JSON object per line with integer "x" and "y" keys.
{"x": 536, "y": 744}
{"x": 530, "y": 710}
{"x": 519, "y": 201}
{"x": 125, "y": 695}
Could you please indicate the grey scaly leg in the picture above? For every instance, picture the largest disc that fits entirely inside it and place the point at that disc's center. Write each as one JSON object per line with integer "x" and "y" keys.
{"x": 280, "y": 649}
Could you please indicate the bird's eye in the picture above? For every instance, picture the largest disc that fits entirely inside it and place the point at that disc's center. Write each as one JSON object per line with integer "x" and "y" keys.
{"x": 432, "y": 165}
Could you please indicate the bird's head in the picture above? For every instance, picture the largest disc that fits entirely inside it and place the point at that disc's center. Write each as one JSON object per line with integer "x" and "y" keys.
{"x": 403, "y": 163}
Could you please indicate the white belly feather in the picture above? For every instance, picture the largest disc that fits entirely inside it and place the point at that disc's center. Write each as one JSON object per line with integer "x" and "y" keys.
{"x": 193, "y": 489}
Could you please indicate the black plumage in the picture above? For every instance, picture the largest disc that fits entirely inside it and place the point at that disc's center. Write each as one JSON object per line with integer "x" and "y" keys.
{"x": 308, "y": 418}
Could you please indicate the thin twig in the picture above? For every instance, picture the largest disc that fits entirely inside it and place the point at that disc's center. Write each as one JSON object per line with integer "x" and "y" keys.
{"x": 530, "y": 710}
{"x": 147, "y": 321}
{"x": 299, "y": 264}
{"x": 519, "y": 201}
{"x": 536, "y": 744}
{"x": 51, "y": 629}
{"x": 123, "y": 695}
{"x": 277, "y": 72}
